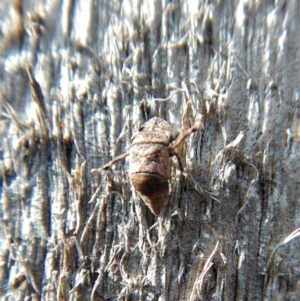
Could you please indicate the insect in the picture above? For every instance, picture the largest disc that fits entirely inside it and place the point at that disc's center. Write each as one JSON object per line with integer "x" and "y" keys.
{"x": 149, "y": 161}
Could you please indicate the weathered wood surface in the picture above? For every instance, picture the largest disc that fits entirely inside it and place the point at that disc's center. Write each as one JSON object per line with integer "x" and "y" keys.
{"x": 103, "y": 69}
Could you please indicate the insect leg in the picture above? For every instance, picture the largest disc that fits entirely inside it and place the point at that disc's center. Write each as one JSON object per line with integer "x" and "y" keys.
{"x": 112, "y": 162}
{"x": 197, "y": 125}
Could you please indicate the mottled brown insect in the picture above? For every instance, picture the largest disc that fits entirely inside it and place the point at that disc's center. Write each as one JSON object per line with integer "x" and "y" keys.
{"x": 149, "y": 161}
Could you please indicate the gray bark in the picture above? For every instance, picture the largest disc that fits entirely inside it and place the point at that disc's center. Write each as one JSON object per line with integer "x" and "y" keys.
{"x": 100, "y": 69}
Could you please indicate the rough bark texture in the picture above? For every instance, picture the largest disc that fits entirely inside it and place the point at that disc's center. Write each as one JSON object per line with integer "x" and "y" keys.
{"x": 100, "y": 69}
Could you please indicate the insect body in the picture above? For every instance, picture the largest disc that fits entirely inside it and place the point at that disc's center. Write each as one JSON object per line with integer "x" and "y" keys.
{"x": 149, "y": 161}
{"x": 150, "y": 167}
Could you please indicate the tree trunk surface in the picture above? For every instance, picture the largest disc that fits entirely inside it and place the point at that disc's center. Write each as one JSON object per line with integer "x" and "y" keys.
{"x": 78, "y": 78}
